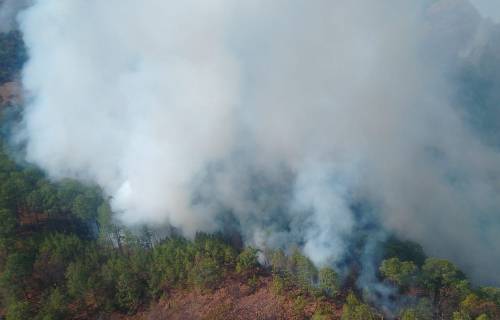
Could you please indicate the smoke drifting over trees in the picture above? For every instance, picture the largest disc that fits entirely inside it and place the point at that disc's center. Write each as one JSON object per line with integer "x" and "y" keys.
{"x": 8, "y": 13}
{"x": 285, "y": 116}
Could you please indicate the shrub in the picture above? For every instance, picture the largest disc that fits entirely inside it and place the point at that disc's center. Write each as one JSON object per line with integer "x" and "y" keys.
{"x": 278, "y": 284}
{"x": 298, "y": 307}
{"x": 400, "y": 272}
{"x": 355, "y": 310}
{"x": 303, "y": 270}
{"x": 18, "y": 310}
{"x": 328, "y": 281}
{"x": 54, "y": 306}
{"x": 247, "y": 260}
{"x": 206, "y": 273}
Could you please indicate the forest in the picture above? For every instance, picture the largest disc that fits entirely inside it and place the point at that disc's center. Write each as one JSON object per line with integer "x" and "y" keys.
{"x": 63, "y": 255}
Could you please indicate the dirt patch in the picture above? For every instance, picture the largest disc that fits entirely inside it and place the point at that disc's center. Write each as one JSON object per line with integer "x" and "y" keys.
{"x": 235, "y": 299}
{"x": 10, "y": 94}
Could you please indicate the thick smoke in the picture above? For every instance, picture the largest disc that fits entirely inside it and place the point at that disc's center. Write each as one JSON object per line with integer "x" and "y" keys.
{"x": 281, "y": 114}
{"x": 8, "y": 13}
{"x": 489, "y": 8}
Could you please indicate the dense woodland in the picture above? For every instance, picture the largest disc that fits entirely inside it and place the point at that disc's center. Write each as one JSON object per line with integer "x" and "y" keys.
{"x": 63, "y": 256}
{"x": 12, "y": 55}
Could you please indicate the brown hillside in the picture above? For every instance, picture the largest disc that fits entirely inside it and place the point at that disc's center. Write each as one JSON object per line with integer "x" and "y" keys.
{"x": 235, "y": 299}
{"x": 10, "y": 93}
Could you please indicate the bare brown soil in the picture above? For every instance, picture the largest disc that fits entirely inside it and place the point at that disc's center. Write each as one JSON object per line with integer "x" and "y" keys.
{"x": 10, "y": 93}
{"x": 235, "y": 299}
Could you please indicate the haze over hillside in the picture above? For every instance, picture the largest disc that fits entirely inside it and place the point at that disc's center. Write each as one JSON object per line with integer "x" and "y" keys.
{"x": 285, "y": 115}
{"x": 325, "y": 129}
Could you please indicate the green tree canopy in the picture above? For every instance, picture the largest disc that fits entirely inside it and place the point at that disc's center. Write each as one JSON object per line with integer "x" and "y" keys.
{"x": 402, "y": 273}
{"x": 328, "y": 281}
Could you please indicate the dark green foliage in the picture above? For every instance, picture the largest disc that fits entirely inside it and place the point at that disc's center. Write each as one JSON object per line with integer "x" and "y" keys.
{"x": 355, "y": 310}
{"x": 40, "y": 237}
{"x": 86, "y": 203}
{"x": 422, "y": 311}
{"x": 43, "y": 199}
{"x": 78, "y": 274}
{"x": 298, "y": 306}
{"x": 296, "y": 270}
{"x": 247, "y": 260}
{"x": 253, "y": 282}
{"x": 474, "y": 306}
{"x": 278, "y": 285}
{"x": 439, "y": 273}
{"x": 211, "y": 254}
{"x": 110, "y": 232}
{"x": 282, "y": 277}
{"x": 324, "y": 311}
{"x": 304, "y": 269}
{"x": 402, "y": 273}
{"x": 409, "y": 314}
{"x": 178, "y": 262}
{"x": 215, "y": 247}
{"x": 8, "y": 225}
{"x": 278, "y": 260}
{"x": 54, "y": 255}
{"x": 491, "y": 294}
{"x": 12, "y": 55}
{"x": 404, "y": 251}
{"x": 85, "y": 280}
{"x": 54, "y": 306}
{"x": 206, "y": 272}
{"x": 18, "y": 310}
{"x": 169, "y": 267}
{"x": 124, "y": 282}
{"x": 67, "y": 191}
{"x": 16, "y": 273}
{"x": 79, "y": 200}
{"x": 443, "y": 283}
{"x": 328, "y": 281}
{"x": 14, "y": 189}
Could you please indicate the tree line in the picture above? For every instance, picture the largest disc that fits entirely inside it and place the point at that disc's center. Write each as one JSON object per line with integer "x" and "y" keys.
{"x": 62, "y": 255}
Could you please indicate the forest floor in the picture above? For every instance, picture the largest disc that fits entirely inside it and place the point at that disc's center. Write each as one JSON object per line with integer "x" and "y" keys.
{"x": 236, "y": 299}
{"x": 10, "y": 93}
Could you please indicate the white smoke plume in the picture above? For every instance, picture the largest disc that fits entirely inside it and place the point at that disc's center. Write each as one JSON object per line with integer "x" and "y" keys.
{"x": 284, "y": 113}
{"x": 489, "y": 8}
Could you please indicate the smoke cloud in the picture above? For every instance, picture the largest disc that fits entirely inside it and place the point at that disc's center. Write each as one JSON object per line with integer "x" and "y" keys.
{"x": 282, "y": 115}
{"x": 488, "y": 8}
{"x": 8, "y": 13}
